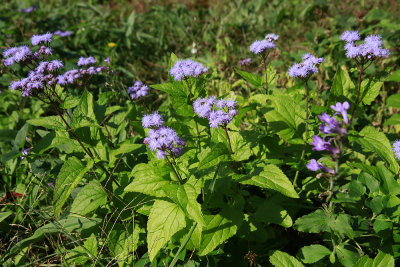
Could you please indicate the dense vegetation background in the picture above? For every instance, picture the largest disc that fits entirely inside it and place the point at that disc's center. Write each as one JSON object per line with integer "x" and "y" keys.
{"x": 139, "y": 37}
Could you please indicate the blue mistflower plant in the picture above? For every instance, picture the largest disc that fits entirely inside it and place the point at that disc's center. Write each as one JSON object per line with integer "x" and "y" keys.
{"x": 263, "y": 47}
{"x": 363, "y": 55}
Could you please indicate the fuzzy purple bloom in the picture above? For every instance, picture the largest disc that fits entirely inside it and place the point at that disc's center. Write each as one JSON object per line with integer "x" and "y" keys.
{"x": 86, "y": 61}
{"x": 258, "y": 47}
{"x": 218, "y": 112}
{"x": 49, "y": 66}
{"x": 27, "y": 10}
{"x": 350, "y": 36}
{"x": 371, "y": 48}
{"x": 44, "y": 38}
{"x": 107, "y": 60}
{"x": 306, "y": 68}
{"x": 16, "y": 54}
{"x": 62, "y": 34}
{"x": 184, "y": 68}
{"x": 138, "y": 90}
{"x": 163, "y": 140}
{"x": 396, "y": 148}
{"x": 152, "y": 120}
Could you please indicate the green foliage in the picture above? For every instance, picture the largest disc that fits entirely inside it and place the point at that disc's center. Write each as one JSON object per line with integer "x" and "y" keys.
{"x": 82, "y": 187}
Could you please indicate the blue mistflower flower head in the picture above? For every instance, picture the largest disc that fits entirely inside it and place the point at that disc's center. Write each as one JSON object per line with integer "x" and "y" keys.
{"x": 152, "y": 120}
{"x": 44, "y": 38}
{"x": 162, "y": 139}
{"x": 306, "y": 68}
{"x": 350, "y": 36}
{"x": 258, "y": 46}
{"x": 49, "y": 66}
{"x": 16, "y": 54}
{"x": 219, "y": 112}
{"x": 396, "y": 148}
{"x": 83, "y": 61}
{"x": 138, "y": 90}
{"x": 184, "y": 68}
{"x": 370, "y": 49}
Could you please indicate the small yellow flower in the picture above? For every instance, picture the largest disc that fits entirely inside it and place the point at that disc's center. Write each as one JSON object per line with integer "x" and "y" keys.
{"x": 111, "y": 44}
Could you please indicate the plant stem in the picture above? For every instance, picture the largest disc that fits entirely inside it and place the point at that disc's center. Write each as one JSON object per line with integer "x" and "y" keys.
{"x": 361, "y": 69}
{"x": 229, "y": 140}
{"x": 176, "y": 173}
{"x": 266, "y": 72}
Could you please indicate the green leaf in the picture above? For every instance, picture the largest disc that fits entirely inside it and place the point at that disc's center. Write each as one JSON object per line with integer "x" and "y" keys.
{"x": 383, "y": 260}
{"x": 342, "y": 85}
{"x": 315, "y": 222}
{"x": 165, "y": 220}
{"x": 20, "y": 138}
{"x": 70, "y": 175}
{"x": 369, "y": 90}
{"x": 149, "y": 179}
{"x": 85, "y": 107}
{"x": 282, "y": 259}
{"x": 186, "y": 197}
{"x": 210, "y": 157}
{"x": 271, "y": 177}
{"x": 377, "y": 142}
{"x": 286, "y": 116}
{"x": 381, "y": 223}
{"x": 389, "y": 185}
{"x": 346, "y": 256}
{"x": 393, "y": 120}
{"x": 370, "y": 181}
{"x": 70, "y": 101}
{"x": 319, "y": 221}
{"x": 178, "y": 94}
{"x": 89, "y": 198}
{"x": 271, "y": 212}
{"x": 50, "y": 122}
{"x": 217, "y": 230}
{"x": 395, "y": 77}
{"x": 253, "y": 79}
{"x": 393, "y": 101}
{"x": 313, "y": 253}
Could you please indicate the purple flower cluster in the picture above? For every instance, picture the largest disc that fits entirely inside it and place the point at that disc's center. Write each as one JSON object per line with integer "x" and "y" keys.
{"x": 49, "y": 66}
{"x": 396, "y": 148}
{"x": 83, "y": 61}
{"x": 62, "y": 34}
{"x": 138, "y": 90}
{"x": 306, "y": 68}
{"x": 218, "y": 112}
{"x": 245, "y": 62}
{"x": 44, "y": 38}
{"x": 329, "y": 125}
{"x": 73, "y": 75}
{"x": 260, "y": 46}
{"x": 16, "y": 54}
{"x": 162, "y": 139}
{"x": 184, "y": 68}
{"x": 370, "y": 49}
